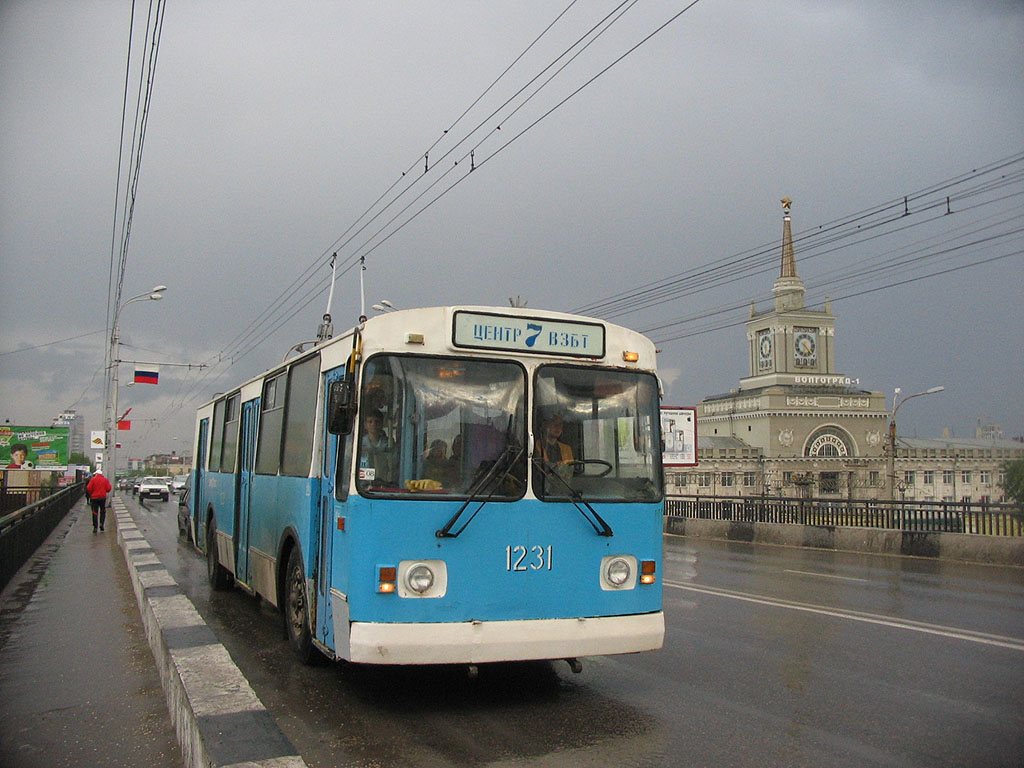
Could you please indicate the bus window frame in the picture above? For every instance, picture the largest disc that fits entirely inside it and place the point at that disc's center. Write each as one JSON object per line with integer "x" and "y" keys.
{"x": 536, "y": 407}
{"x": 405, "y": 495}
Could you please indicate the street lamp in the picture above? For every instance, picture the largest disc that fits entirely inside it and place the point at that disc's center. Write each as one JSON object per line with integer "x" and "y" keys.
{"x": 153, "y": 294}
{"x": 385, "y": 306}
{"x": 892, "y": 433}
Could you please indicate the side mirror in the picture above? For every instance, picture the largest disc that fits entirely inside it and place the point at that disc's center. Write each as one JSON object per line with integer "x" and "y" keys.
{"x": 340, "y": 407}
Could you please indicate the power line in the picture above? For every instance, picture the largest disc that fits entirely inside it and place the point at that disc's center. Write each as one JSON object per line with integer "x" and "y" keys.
{"x": 51, "y": 343}
{"x": 980, "y": 262}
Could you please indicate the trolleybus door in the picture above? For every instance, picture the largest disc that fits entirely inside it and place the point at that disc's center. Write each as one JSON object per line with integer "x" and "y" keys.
{"x": 196, "y": 492}
{"x": 331, "y": 515}
{"x": 250, "y": 414}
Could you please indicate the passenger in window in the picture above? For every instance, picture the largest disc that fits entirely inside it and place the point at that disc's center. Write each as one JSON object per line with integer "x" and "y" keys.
{"x": 376, "y": 454}
{"x": 436, "y": 465}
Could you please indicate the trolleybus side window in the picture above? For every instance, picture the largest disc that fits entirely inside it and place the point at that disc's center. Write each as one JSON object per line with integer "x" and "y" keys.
{"x": 596, "y": 433}
{"x": 217, "y": 437}
{"x": 432, "y": 426}
{"x": 230, "y": 441}
{"x": 268, "y": 446}
{"x": 287, "y": 416}
{"x": 300, "y": 417}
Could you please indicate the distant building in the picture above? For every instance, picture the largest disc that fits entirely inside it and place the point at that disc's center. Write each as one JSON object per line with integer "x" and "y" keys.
{"x": 797, "y": 427}
{"x": 166, "y": 464}
{"x": 76, "y": 430}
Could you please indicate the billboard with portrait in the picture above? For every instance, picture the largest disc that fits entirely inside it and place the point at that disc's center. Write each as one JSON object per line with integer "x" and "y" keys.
{"x": 33, "y": 447}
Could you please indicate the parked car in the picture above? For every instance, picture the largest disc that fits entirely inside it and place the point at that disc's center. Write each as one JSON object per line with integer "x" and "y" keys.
{"x": 185, "y": 510}
{"x": 155, "y": 487}
{"x": 178, "y": 483}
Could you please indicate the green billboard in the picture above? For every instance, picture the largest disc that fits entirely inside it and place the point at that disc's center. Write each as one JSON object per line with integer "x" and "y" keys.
{"x": 33, "y": 447}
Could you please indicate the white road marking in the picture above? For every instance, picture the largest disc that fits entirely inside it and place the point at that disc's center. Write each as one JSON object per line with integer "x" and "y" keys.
{"x": 826, "y": 576}
{"x": 999, "y": 641}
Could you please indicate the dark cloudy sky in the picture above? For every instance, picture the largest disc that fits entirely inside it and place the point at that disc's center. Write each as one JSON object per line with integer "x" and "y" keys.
{"x": 273, "y": 126}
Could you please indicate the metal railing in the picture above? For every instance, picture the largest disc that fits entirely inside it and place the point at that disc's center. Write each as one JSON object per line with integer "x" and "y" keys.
{"x": 23, "y": 530}
{"x": 915, "y": 516}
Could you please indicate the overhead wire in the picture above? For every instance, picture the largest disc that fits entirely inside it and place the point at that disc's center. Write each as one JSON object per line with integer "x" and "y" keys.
{"x": 289, "y": 303}
{"x": 286, "y": 306}
{"x": 847, "y": 232}
{"x": 346, "y": 238}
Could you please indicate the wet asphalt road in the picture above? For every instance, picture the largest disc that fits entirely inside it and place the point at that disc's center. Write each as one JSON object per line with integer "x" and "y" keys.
{"x": 773, "y": 656}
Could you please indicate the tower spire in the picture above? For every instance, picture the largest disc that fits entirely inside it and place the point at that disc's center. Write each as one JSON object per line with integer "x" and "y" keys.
{"x": 789, "y": 288}
{"x": 788, "y": 260}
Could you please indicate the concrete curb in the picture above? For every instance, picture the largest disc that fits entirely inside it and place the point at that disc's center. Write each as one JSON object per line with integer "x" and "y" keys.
{"x": 218, "y": 718}
{"x": 990, "y": 550}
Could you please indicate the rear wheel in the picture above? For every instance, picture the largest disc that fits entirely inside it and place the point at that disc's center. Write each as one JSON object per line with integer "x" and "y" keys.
{"x": 296, "y": 610}
{"x": 216, "y": 573}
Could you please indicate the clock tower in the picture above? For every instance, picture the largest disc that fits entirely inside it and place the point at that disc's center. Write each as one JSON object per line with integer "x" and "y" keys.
{"x": 790, "y": 341}
{"x": 801, "y": 417}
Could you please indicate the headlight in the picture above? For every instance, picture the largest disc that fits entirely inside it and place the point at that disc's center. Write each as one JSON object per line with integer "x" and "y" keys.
{"x": 419, "y": 579}
{"x": 618, "y": 571}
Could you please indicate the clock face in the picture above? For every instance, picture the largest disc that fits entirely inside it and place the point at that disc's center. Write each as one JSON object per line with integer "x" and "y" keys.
{"x": 766, "y": 346}
{"x": 805, "y": 345}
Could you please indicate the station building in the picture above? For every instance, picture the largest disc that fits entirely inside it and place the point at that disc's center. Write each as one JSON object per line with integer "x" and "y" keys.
{"x": 796, "y": 426}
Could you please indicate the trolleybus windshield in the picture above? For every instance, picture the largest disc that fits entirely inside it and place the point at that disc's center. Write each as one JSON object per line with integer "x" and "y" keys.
{"x": 432, "y": 427}
{"x": 597, "y": 435}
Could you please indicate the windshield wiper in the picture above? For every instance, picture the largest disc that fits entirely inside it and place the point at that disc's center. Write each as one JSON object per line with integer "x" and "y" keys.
{"x": 505, "y": 463}
{"x": 576, "y": 498}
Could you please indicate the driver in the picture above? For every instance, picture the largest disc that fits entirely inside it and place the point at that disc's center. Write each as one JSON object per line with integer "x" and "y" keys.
{"x": 549, "y": 447}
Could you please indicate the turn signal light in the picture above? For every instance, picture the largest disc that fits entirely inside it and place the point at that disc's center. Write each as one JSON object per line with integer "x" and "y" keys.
{"x": 647, "y": 572}
{"x": 387, "y": 575}
{"x": 630, "y": 357}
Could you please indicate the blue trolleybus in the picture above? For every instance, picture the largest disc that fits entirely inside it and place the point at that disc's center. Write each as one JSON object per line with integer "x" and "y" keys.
{"x": 444, "y": 485}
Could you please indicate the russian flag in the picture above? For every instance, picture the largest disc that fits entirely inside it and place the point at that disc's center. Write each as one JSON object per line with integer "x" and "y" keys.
{"x": 148, "y": 375}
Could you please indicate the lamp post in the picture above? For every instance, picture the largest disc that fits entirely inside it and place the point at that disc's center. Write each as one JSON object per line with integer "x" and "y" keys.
{"x": 892, "y": 434}
{"x": 154, "y": 294}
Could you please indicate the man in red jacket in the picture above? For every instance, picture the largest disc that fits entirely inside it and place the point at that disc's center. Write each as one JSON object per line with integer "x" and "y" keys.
{"x": 96, "y": 490}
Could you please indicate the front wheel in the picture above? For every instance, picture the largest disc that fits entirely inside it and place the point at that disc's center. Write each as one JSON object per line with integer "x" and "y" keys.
{"x": 296, "y": 610}
{"x": 216, "y": 573}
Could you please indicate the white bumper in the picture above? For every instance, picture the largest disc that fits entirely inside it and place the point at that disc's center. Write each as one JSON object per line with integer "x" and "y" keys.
{"x": 481, "y": 642}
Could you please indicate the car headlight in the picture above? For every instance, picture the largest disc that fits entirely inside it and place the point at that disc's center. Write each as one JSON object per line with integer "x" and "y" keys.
{"x": 419, "y": 578}
{"x": 618, "y": 571}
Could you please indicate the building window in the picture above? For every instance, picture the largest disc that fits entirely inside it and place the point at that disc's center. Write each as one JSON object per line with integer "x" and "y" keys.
{"x": 874, "y": 479}
{"x": 947, "y": 478}
{"x": 986, "y": 477}
{"x": 909, "y": 477}
{"x": 965, "y": 476}
{"x": 829, "y": 442}
{"x": 705, "y": 480}
{"x": 787, "y": 478}
{"x": 830, "y": 482}
{"x": 929, "y": 477}
{"x": 749, "y": 479}
{"x": 728, "y": 480}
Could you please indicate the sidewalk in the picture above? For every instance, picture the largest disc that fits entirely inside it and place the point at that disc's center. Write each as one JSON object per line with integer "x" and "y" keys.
{"x": 78, "y": 682}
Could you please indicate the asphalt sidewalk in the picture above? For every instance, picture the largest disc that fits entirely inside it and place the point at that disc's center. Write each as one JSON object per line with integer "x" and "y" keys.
{"x": 78, "y": 682}
{"x": 105, "y": 662}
